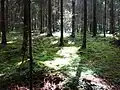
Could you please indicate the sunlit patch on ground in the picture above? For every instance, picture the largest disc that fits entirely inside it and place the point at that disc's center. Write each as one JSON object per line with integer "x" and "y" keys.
{"x": 70, "y": 42}
{"x": 10, "y": 42}
{"x": 67, "y": 57}
{"x": 19, "y": 63}
{"x": 110, "y": 35}
{"x": 55, "y": 42}
{"x": 1, "y": 74}
{"x": 58, "y": 34}
{"x": 67, "y": 53}
{"x": 107, "y": 35}
{"x": 89, "y": 75}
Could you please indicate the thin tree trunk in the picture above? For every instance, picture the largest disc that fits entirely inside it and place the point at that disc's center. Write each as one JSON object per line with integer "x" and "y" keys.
{"x": 6, "y": 15}
{"x": 3, "y": 42}
{"x": 73, "y": 19}
{"x": 49, "y": 18}
{"x": 27, "y": 25}
{"x": 25, "y": 30}
{"x": 53, "y": 23}
{"x": 85, "y": 25}
{"x": 105, "y": 20}
{"x": 112, "y": 17}
{"x": 41, "y": 16}
{"x": 30, "y": 45}
{"x": 94, "y": 19}
{"x": 61, "y": 38}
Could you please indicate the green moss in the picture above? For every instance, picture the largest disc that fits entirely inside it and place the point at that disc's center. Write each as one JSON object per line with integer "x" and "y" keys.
{"x": 103, "y": 58}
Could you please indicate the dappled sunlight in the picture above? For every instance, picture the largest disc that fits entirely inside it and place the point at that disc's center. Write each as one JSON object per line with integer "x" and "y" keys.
{"x": 54, "y": 42}
{"x": 1, "y": 75}
{"x": 21, "y": 62}
{"x": 72, "y": 73}
{"x": 87, "y": 72}
{"x": 10, "y": 42}
{"x": 13, "y": 32}
{"x": 43, "y": 34}
{"x": 57, "y": 63}
{"x": 15, "y": 38}
{"x": 67, "y": 53}
{"x": 35, "y": 37}
{"x": 107, "y": 35}
{"x": 111, "y": 36}
{"x": 60, "y": 45}
{"x": 57, "y": 34}
{"x": 98, "y": 83}
{"x": 71, "y": 42}
{"x": 38, "y": 35}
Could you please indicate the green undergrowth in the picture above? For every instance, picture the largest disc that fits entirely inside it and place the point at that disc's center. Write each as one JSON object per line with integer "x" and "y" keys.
{"x": 20, "y": 75}
{"x": 103, "y": 58}
{"x": 10, "y": 55}
{"x": 44, "y": 49}
{"x": 11, "y": 67}
{"x": 100, "y": 56}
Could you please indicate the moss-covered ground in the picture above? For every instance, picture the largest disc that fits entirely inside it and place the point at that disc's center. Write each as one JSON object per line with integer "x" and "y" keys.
{"x": 101, "y": 56}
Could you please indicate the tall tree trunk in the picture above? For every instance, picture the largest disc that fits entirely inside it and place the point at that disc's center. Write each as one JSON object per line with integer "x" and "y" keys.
{"x": 53, "y": 22}
{"x": 41, "y": 18}
{"x": 53, "y": 17}
{"x": 94, "y": 19}
{"x": 32, "y": 20}
{"x": 27, "y": 28}
{"x": 112, "y": 17}
{"x": 30, "y": 45}
{"x": 105, "y": 20}
{"x": 3, "y": 42}
{"x": 85, "y": 25}
{"x": 91, "y": 24}
{"x": 119, "y": 19}
{"x": 6, "y": 15}
{"x": 61, "y": 38}
{"x": 49, "y": 18}
{"x": 46, "y": 19}
{"x": 73, "y": 19}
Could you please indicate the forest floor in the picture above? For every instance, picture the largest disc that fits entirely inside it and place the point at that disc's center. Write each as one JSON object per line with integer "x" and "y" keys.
{"x": 99, "y": 63}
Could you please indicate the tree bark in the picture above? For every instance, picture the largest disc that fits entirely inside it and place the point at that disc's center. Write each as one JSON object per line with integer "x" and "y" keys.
{"x": 61, "y": 38}
{"x": 49, "y": 18}
{"x": 94, "y": 19}
{"x": 105, "y": 20}
{"x": 27, "y": 28}
{"x": 85, "y": 25}
{"x": 73, "y": 19}
{"x": 6, "y": 15}
{"x": 112, "y": 17}
{"x": 4, "y": 41}
{"x": 41, "y": 18}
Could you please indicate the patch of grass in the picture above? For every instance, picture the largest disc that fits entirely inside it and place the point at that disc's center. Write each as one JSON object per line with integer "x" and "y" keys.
{"x": 21, "y": 74}
{"x": 11, "y": 57}
{"x": 103, "y": 58}
{"x": 44, "y": 50}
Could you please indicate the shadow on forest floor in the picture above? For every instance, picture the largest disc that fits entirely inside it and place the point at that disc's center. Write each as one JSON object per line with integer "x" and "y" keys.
{"x": 100, "y": 62}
